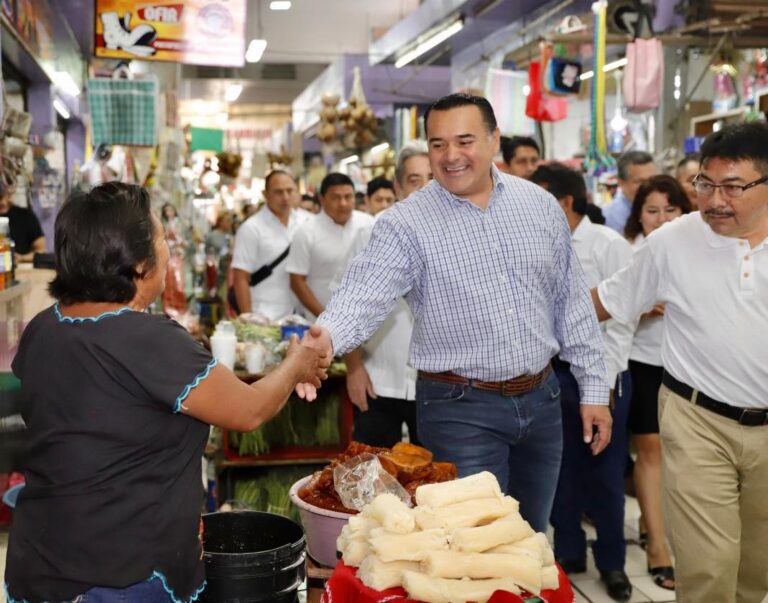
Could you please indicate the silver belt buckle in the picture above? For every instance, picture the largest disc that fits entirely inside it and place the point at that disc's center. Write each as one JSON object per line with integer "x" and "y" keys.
{"x": 753, "y": 417}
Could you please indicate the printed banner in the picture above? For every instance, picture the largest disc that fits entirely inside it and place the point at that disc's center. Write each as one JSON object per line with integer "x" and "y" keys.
{"x": 194, "y": 32}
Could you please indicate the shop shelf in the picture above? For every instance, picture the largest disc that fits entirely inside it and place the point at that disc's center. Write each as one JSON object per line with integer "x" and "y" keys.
{"x": 290, "y": 441}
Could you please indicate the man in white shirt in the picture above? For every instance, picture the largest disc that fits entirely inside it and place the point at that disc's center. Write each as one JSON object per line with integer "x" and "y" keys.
{"x": 321, "y": 245}
{"x": 261, "y": 284}
{"x": 380, "y": 195}
{"x": 710, "y": 268}
{"x": 592, "y": 484}
{"x": 380, "y": 382}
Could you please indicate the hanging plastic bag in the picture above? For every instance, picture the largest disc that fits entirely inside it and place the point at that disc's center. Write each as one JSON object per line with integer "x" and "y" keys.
{"x": 643, "y": 75}
{"x": 540, "y": 106}
{"x": 563, "y": 65}
{"x": 124, "y": 111}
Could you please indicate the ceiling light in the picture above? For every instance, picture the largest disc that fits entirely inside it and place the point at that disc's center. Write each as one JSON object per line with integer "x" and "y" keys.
{"x": 255, "y": 50}
{"x": 280, "y": 5}
{"x": 379, "y": 148}
{"x": 606, "y": 68}
{"x": 428, "y": 44}
{"x": 348, "y": 160}
{"x": 233, "y": 92}
{"x": 61, "y": 108}
{"x": 65, "y": 83}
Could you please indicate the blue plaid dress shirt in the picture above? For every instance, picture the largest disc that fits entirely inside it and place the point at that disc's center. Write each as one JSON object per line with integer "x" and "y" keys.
{"x": 495, "y": 293}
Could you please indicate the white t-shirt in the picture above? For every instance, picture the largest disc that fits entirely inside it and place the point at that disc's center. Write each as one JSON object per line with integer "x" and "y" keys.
{"x": 320, "y": 248}
{"x": 386, "y": 352}
{"x": 646, "y": 346}
{"x": 260, "y": 240}
{"x": 602, "y": 252}
{"x": 716, "y": 319}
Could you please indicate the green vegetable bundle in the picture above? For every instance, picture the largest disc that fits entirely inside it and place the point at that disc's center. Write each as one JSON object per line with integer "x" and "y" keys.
{"x": 298, "y": 424}
{"x": 269, "y": 492}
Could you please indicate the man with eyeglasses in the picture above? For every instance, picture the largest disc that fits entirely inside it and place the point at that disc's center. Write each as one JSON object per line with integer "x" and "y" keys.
{"x": 710, "y": 268}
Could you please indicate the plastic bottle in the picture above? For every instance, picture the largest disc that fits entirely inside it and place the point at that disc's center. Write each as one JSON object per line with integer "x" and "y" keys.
{"x": 6, "y": 255}
{"x": 224, "y": 344}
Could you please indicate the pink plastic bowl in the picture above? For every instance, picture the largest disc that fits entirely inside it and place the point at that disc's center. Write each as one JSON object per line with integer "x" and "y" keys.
{"x": 322, "y": 527}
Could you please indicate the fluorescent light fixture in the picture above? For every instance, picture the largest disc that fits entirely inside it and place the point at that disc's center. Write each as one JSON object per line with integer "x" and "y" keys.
{"x": 428, "y": 44}
{"x": 280, "y": 5}
{"x": 606, "y": 68}
{"x": 255, "y": 50}
{"x": 61, "y": 108}
{"x": 233, "y": 92}
{"x": 65, "y": 83}
{"x": 379, "y": 148}
{"x": 348, "y": 160}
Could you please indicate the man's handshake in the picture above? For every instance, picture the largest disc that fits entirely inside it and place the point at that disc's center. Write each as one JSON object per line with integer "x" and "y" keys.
{"x": 319, "y": 339}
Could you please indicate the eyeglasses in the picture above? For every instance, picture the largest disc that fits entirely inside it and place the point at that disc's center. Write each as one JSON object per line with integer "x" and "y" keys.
{"x": 732, "y": 191}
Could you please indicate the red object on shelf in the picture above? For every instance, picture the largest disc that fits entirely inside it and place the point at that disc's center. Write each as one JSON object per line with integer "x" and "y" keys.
{"x": 296, "y": 453}
{"x": 344, "y": 587}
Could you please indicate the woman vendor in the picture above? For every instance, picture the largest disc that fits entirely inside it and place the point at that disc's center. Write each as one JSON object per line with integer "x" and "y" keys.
{"x": 118, "y": 405}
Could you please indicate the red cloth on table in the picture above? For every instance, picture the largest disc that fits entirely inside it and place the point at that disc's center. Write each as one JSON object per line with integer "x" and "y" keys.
{"x": 344, "y": 587}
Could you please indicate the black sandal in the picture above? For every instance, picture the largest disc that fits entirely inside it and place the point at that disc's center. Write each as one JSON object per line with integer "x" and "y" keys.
{"x": 662, "y": 575}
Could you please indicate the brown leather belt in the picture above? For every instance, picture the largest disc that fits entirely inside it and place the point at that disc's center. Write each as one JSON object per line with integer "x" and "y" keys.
{"x": 512, "y": 387}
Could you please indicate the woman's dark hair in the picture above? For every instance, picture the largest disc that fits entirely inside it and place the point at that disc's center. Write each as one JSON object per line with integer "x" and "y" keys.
{"x": 101, "y": 237}
{"x": 666, "y": 185}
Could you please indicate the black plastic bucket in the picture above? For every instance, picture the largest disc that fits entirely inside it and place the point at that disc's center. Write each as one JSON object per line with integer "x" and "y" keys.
{"x": 252, "y": 557}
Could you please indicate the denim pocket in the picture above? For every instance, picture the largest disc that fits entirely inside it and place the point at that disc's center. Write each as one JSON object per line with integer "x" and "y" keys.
{"x": 552, "y": 386}
{"x": 428, "y": 392}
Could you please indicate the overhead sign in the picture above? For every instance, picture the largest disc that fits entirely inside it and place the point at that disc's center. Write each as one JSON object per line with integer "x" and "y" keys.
{"x": 194, "y": 32}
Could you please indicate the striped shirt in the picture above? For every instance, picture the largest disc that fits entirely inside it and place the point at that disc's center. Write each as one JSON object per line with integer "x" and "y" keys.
{"x": 495, "y": 292}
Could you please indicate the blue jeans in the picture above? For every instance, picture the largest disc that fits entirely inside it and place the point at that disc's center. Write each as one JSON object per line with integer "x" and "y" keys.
{"x": 592, "y": 484}
{"x": 148, "y": 591}
{"x": 517, "y": 438}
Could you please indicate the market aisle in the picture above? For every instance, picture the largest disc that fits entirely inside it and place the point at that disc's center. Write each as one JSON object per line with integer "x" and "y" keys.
{"x": 588, "y": 587}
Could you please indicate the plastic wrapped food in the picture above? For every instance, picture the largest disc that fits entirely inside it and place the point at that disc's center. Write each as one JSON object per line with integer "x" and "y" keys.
{"x": 361, "y": 479}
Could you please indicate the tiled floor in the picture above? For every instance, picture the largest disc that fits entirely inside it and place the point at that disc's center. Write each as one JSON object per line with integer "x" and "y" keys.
{"x": 588, "y": 587}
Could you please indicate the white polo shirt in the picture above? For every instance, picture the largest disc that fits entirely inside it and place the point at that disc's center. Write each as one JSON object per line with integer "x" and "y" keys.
{"x": 602, "y": 252}
{"x": 320, "y": 249}
{"x": 646, "y": 346}
{"x": 386, "y": 352}
{"x": 716, "y": 317}
{"x": 260, "y": 240}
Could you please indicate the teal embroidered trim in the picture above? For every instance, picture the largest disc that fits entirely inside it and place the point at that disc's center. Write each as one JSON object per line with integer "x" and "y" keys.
{"x": 188, "y": 389}
{"x": 169, "y": 590}
{"x": 69, "y": 319}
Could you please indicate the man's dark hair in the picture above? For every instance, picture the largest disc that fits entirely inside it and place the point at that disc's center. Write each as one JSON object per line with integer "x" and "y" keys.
{"x": 632, "y": 158}
{"x": 312, "y": 198}
{"x": 689, "y": 158}
{"x": 274, "y": 173}
{"x": 101, "y": 237}
{"x": 739, "y": 142}
{"x": 378, "y": 183}
{"x": 666, "y": 185}
{"x": 509, "y": 146}
{"x": 334, "y": 179}
{"x": 461, "y": 99}
{"x": 560, "y": 180}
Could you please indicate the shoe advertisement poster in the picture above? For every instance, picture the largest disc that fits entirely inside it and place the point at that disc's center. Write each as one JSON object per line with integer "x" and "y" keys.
{"x": 194, "y": 32}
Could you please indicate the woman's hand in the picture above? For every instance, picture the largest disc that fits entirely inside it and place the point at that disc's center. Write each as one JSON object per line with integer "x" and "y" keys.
{"x": 307, "y": 365}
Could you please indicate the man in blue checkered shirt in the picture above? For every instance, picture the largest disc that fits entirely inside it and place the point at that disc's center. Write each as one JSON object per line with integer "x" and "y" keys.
{"x": 486, "y": 264}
